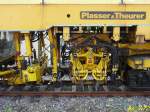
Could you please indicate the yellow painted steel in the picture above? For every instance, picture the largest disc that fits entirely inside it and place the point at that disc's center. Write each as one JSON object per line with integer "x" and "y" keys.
{"x": 53, "y": 42}
{"x": 74, "y": 1}
{"x": 142, "y": 64}
{"x": 136, "y": 49}
{"x": 66, "y": 33}
{"x": 41, "y": 44}
{"x": 17, "y": 44}
{"x": 116, "y": 33}
{"x": 7, "y": 72}
{"x": 28, "y": 44}
{"x": 41, "y": 17}
{"x": 144, "y": 30}
{"x": 97, "y": 1}
{"x": 133, "y": 46}
{"x": 81, "y": 71}
{"x": 31, "y": 74}
{"x": 82, "y": 2}
{"x": 34, "y": 15}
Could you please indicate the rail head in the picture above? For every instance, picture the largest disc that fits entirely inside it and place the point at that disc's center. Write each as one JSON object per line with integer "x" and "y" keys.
{"x": 76, "y": 94}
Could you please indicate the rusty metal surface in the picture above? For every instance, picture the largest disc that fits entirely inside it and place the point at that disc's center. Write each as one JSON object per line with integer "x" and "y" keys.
{"x": 93, "y": 94}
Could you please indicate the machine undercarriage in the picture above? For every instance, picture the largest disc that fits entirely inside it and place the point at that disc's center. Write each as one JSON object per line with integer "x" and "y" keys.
{"x": 84, "y": 46}
{"x": 91, "y": 57}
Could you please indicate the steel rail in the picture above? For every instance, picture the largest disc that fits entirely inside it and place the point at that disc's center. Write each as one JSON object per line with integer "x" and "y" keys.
{"x": 69, "y": 93}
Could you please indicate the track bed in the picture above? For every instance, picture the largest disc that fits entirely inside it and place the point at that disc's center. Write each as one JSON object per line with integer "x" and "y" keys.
{"x": 72, "y": 90}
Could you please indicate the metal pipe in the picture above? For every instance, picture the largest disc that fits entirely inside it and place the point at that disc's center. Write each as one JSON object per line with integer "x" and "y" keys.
{"x": 2, "y": 73}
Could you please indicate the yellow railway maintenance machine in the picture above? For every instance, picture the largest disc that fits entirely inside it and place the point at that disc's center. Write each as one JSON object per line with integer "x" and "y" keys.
{"x": 90, "y": 41}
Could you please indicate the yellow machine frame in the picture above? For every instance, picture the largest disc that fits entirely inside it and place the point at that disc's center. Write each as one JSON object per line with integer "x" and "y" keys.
{"x": 40, "y": 17}
{"x": 20, "y": 16}
{"x": 98, "y": 71}
{"x": 33, "y": 72}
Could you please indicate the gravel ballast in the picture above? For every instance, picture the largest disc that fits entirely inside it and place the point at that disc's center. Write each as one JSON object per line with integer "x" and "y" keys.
{"x": 71, "y": 104}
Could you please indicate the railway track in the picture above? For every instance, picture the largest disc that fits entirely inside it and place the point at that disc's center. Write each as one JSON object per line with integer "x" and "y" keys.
{"x": 93, "y": 94}
{"x": 70, "y": 90}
